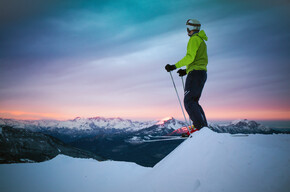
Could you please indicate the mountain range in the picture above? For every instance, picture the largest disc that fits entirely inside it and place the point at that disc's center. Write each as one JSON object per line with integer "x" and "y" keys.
{"x": 108, "y": 138}
{"x": 101, "y": 125}
{"x": 112, "y": 138}
{"x": 92, "y": 123}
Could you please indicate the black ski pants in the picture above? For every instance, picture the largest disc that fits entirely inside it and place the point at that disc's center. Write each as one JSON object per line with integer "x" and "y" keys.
{"x": 193, "y": 87}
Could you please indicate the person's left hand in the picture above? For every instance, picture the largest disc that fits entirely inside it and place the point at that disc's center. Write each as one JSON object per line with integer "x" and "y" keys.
{"x": 169, "y": 67}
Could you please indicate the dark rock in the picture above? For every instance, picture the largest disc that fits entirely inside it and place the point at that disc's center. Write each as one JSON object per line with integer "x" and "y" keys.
{"x": 21, "y": 145}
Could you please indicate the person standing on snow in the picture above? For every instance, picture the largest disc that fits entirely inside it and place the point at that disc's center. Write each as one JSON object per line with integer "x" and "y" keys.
{"x": 196, "y": 61}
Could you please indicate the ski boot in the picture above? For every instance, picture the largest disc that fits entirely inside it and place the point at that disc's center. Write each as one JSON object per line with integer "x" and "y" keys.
{"x": 192, "y": 129}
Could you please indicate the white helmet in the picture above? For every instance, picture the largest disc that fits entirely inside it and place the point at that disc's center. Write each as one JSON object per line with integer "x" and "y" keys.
{"x": 193, "y": 24}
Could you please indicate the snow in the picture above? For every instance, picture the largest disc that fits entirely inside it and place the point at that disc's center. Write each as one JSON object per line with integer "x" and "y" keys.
{"x": 162, "y": 121}
{"x": 219, "y": 162}
{"x": 208, "y": 161}
{"x": 67, "y": 174}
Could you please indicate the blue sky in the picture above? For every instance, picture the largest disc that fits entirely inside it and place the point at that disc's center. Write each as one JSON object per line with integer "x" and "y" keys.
{"x": 107, "y": 58}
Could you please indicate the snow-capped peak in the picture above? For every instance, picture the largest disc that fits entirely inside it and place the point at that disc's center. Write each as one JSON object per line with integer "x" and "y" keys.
{"x": 241, "y": 126}
{"x": 76, "y": 119}
{"x": 242, "y": 121}
{"x": 170, "y": 123}
{"x": 162, "y": 121}
{"x": 249, "y": 124}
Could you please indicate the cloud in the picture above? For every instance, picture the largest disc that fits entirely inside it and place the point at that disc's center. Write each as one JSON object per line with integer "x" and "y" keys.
{"x": 112, "y": 53}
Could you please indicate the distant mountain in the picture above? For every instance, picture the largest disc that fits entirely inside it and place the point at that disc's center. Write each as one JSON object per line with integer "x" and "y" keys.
{"x": 80, "y": 124}
{"x": 243, "y": 126}
{"x": 93, "y": 123}
{"x": 20, "y": 145}
{"x": 82, "y": 127}
{"x": 114, "y": 138}
{"x": 78, "y": 128}
{"x": 162, "y": 127}
{"x": 105, "y": 137}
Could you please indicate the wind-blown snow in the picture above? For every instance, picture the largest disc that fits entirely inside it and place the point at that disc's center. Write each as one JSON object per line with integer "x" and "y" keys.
{"x": 208, "y": 161}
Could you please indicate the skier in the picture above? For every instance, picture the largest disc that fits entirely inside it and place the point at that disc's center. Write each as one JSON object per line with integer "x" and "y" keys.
{"x": 196, "y": 61}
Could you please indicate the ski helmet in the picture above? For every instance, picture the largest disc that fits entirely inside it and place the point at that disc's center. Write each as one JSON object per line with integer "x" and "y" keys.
{"x": 193, "y": 24}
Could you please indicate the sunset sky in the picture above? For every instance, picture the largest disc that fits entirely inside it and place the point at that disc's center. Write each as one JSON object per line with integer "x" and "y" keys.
{"x": 106, "y": 58}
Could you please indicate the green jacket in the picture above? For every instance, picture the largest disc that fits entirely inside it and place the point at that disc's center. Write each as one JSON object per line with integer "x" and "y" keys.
{"x": 196, "y": 56}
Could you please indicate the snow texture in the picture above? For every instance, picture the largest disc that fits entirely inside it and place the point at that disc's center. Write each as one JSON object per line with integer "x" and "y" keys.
{"x": 206, "y": 162}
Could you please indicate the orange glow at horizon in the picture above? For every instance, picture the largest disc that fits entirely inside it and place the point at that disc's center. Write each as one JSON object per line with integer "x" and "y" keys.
{"x": 212, "y": 114}
{"x": 30, "y": 116}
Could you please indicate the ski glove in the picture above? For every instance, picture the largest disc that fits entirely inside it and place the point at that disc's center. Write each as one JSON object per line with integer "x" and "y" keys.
{"x": 169, "y": 67}
{"x": 181, "y": 72}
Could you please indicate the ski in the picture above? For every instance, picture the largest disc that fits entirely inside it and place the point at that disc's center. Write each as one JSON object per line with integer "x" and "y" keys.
{"x": 239, "y": 135}
{"x": 169, "y": 139}
{"x": 165, "y": 136}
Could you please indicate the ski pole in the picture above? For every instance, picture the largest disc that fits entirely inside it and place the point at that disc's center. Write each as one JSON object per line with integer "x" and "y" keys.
{"x": 180, "y": 103}
{"x": 182, "y": 82}
{"x": 184, "y": 90}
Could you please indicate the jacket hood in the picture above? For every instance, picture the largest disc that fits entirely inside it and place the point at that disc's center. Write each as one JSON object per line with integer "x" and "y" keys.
{"x": 202, "y": 35}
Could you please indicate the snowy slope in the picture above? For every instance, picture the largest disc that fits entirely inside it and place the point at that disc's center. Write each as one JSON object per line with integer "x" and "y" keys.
{"x": 208, "y": 161}
{"x": 66, "y": 174}
{"x": 219, "y": 162}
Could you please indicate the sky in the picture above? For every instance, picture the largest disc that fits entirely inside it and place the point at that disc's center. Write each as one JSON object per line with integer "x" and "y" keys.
{"x": 61, "y": 60}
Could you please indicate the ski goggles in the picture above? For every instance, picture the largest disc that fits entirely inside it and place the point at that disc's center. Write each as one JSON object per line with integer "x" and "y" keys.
{"x": 190, "y": 28}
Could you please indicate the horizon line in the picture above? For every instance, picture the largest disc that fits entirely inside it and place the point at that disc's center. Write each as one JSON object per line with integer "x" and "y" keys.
{"x": 135, "y": 119}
